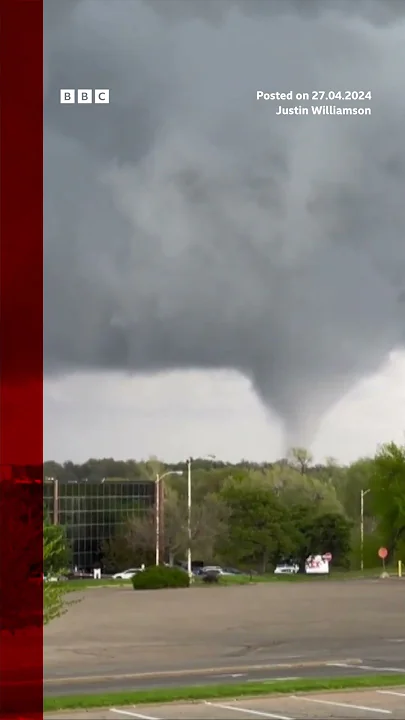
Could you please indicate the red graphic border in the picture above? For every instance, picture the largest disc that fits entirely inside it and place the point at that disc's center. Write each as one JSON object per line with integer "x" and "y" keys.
{"x": 21, "y": 365}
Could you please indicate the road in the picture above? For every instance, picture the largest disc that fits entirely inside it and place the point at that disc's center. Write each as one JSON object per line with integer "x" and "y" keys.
{"x": 269, "y": 673}
{"x": 118, "y": 639}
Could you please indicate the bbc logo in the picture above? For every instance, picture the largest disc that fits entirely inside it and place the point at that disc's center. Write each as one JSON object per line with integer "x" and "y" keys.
{"x": 85, "y": 97}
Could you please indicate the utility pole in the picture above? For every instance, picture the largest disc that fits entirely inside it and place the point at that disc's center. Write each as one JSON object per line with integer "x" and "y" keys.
{"x": 189, "y": 537}
{"x": 157, "y": 519}
{"x": 55, "y": 512}
{"x": 162, "y": 521}
{"x": 363, "y": 493}
{"x": 56, "y": 501}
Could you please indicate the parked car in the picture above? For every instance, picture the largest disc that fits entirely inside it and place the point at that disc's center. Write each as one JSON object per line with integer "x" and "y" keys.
{"x": 215, "y": 569}
{"x": 287, "y": 569}
{"x": 79, "y": 575}
{"x": 54, "y": 578}
{"x": 126, "y": 574}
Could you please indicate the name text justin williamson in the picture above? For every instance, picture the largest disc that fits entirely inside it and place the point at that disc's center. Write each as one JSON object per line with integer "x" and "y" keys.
{"x": 322, "y": 110}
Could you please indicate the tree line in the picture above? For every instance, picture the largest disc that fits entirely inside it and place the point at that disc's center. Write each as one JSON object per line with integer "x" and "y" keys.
{"x": 254, "y": 515}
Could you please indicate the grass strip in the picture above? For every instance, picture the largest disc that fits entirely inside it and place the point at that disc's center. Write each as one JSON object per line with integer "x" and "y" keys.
{"x": 75, "y": 585}
{"x": 213, "y": 692}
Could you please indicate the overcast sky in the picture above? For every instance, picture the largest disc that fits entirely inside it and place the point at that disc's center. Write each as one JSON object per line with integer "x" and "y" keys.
{"x": 199, "y": 413}
{"x": 220, "y": 279}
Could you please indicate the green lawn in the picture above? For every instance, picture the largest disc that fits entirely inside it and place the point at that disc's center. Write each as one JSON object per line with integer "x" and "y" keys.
{"x": 74, "y": 585}
{"x": 270, "y": 577}
{"x": 211, "y": 692}
{"x": 90, "y": 583}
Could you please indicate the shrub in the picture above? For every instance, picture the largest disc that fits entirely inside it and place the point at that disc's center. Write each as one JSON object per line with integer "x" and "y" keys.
{"x": 159, "y": 577}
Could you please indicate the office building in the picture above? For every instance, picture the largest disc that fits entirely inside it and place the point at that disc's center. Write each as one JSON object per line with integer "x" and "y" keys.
{"x": 93, "y": 512}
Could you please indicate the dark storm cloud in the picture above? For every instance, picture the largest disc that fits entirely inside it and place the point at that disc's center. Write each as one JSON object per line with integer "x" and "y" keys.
{"x": 188, "y": 226}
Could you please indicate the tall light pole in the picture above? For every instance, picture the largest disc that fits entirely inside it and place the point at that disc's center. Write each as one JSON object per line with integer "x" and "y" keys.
{"x": 363, "y": 494}
{"x": 55, "y": 515}
{"x": 189, "y": 538}
{"x": 158, "y": 509}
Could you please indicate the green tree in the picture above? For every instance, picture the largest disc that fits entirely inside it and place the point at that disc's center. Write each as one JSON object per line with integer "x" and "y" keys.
{"x": 359, "y": 477}
{"x": 293, "y": 488}
{"x": 54, "y": 593}
{"x": 301, "y": 459}
{"x": 26, "y": 548}
{"x": 205, "y": 481}
{"x": 388, "y": 493}
{"x": 209, "y": 527}
{"x": 259, "y": 528}
{"x": 118, "y": 554}
{"x": 136, "y": 543}
{"x": 321, "y": 533}
{"x": 58, "y": 560}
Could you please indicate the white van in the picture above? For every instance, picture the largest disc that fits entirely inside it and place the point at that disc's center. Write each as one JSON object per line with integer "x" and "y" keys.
{"x": 316, "y": 565}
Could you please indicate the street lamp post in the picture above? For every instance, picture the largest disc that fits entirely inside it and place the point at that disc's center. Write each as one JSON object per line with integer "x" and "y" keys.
{"x": 189, "y": 538}
{"x": 55, "y": 481}
{"x": 363, "y": 494}
{"x": 159, "y": 508}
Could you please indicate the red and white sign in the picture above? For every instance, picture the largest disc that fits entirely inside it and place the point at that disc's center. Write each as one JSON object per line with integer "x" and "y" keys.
{"x": 328, "y": 557}
{"x": 382, "y": 553}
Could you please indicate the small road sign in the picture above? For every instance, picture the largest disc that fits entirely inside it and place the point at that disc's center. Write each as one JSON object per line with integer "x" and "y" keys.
{"x": 382, "y": 553}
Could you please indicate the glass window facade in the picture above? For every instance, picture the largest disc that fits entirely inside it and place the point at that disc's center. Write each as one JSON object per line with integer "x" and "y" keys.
{"x": 92, "y": 512}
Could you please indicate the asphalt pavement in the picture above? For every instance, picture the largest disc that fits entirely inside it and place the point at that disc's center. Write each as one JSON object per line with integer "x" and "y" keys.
{"x": 354, "y": 705}
{"x": 118, "y": 639}
{"x": 266, "y": 673}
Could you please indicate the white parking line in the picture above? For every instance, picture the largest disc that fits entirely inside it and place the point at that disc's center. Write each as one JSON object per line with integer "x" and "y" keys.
{"x": 391, "y": 692}
{"x": 343, "y": 705}
{"x": 367, "y": 667}
{"x": 247, "y": 711}
{"x": 272, "y": 680}
{"x": 132, "y": 714}
{"x": 382, "y": 669}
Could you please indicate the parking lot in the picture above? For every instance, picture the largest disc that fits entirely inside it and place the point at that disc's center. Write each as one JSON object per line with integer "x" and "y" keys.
{"x": 357, "y": 704}
{"x": 113, "y": 632}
